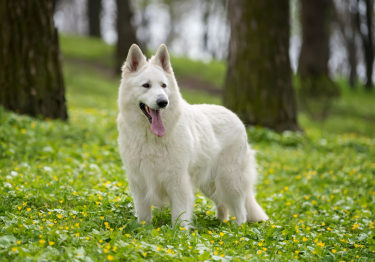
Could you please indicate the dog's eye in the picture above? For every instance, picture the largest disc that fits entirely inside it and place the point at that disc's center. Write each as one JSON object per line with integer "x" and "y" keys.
{"x": 163, "y": 85}
{"x": 146, "y": 85}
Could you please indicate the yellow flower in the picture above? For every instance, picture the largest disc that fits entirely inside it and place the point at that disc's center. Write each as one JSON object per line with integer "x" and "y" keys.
{"x": 233, "y": 218}
{"x": 304, "y": 239}
{"x": 29, "y": 209}
{"x": 193, "y": 234}
{"x": 323, "y": 224}
{"x": 221, "y": 242}
{"x": 329, "y": 229}
{"x": 18, "y": 242}
{"x": 51, "y": 243}
{"x": 264, "y": 249}
{"x": 259, "y": 251}
{"x": 19, "y": 208}
{"x": 110, "y": 258}
{"x": 128, "y": 235}
{"x": 221, "y": 234}
{"x": 97, "y": 202}
{"x": 333, "y": 251}
{"x": 210, "y": 232}
{"x": 272, "y": 226}
{"x": 87, "y": 238}
{"x": 41, "y": 227}
{"x": 42, "y": 241}
{"x": 144, "y": 254}
{"x": 296, "y": 251}
{"x": 222, "y": 255}
{"x": 295, "y": 215}
{"x": 260, "y": 244}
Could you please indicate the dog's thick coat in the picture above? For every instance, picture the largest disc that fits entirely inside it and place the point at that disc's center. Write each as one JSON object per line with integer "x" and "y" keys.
{"x": 202, "y": 145}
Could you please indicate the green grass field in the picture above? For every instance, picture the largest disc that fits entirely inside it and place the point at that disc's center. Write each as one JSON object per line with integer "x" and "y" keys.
{"x": 64, "y": 194}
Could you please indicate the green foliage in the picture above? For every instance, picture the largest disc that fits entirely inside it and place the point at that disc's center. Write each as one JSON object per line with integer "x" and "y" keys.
{"x": 64, "y": 196}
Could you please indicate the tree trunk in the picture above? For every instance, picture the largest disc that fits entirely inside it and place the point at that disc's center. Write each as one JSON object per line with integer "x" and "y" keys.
{"x": 94, "y": 8}
{"x": 317, "y": 89}
{"x": 206, "y": 16}
{"x": 125, "y": 33}
{"x": 367, "y": 42}
{"x": 31, "y": 80}
{"x": 258, "y": 86}
{"x": 346, "y": 19}
{"x": 352, "y": 52}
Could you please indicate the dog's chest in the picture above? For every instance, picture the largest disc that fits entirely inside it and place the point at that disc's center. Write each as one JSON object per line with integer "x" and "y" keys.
{"x": 151, "y": 158}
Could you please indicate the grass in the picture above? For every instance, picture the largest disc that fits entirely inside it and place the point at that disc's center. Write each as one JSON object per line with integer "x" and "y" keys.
{"x": 64, "y": 193}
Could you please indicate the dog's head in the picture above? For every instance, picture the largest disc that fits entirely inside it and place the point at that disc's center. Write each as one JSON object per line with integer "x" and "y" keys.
{"x": 148, "y": 86}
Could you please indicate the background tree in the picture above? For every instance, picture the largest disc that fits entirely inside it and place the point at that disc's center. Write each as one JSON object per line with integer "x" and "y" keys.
{"x": 346, "y": 19}
{"x": 365, "y": 28}
{"x": 94, "y": 8}
{"x": 317, "y": 89}
{"x": 125, "y": 33}
{"x": 31, "y": 80}
{"x": 258, "y": 86}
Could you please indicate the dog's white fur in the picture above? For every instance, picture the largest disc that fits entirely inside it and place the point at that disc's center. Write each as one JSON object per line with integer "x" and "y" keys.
{"x": 204, "y": 146}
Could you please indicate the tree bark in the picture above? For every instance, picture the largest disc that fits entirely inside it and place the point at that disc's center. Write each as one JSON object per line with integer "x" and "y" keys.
{"x": 125, "y": 33}
{"x": 317, "y": 89}
{"x": 31, "y": 80}
{"x": 94, "y": 8}
{"x": 258, "y": 86}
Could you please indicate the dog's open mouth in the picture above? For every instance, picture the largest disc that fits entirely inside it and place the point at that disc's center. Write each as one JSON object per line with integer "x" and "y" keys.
{"x": 155, "y": 119}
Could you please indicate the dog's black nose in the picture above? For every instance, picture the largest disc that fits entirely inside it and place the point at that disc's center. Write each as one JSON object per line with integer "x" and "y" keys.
{"x": 162, "y": 102}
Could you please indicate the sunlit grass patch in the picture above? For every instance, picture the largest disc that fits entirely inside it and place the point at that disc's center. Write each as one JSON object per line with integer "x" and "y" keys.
{"x": 64, "y": 196}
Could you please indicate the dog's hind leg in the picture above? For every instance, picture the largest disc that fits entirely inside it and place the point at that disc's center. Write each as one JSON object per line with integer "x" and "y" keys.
{"x": 254, "y": 211}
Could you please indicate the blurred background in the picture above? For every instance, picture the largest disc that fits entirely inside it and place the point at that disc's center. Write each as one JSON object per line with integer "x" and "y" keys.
{"x": 285, "y": 65}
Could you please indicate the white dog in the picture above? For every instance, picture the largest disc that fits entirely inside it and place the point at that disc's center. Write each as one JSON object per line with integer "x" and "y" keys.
{"x": 168, "y": 146}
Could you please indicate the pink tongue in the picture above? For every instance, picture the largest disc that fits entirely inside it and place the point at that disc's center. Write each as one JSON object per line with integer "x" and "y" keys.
{"x": 157, "y": 126}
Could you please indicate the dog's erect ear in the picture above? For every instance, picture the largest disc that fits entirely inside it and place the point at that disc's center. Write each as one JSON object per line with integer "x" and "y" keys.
{"x": 135, "y": 59}
{"x": 162, "y": 58}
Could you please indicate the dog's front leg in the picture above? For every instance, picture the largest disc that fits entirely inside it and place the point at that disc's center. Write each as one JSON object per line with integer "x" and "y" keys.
{"x": 142, "y": 204}
{"x": 180, "y": 193}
